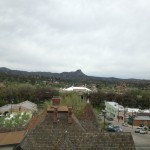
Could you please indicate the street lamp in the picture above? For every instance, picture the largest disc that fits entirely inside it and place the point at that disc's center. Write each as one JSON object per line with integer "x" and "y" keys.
{"x": 104, "y": 114}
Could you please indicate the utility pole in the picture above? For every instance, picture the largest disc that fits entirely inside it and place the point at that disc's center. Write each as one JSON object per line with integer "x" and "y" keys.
{"x": 132, "y": 119}
{"x": 118, "y": 112}
{"x": 104, "y": 114}
{"x": 11, "y": 105}
{"x": 125, "y": 111}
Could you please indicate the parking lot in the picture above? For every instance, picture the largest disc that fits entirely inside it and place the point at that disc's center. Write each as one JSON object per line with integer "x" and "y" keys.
{"x": 142, "y": 141}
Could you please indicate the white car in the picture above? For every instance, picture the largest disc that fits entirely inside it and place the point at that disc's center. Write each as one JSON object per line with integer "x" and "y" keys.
{"x": 125, "y": 124}
{"x": 137, "y": 130}
{"x": 118, "y": 129}
{"x": 143, "y": 131}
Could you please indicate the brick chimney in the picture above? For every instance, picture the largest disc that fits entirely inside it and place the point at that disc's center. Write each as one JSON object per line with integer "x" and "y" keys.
{"x": 56, "y": 101}
{"x": 69, "y": 114}
{"x": 55, "y": 114}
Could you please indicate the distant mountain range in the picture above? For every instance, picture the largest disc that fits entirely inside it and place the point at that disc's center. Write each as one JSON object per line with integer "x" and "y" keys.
{"x": 76, "y": 75}
{"x": 64, "y": 75}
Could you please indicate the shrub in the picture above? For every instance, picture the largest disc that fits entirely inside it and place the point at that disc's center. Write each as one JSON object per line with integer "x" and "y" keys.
{"x": 15, "y": 120}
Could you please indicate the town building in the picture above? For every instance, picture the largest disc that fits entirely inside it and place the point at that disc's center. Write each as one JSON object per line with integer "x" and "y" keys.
{"x": 113, "y": 109}
{"x": 141, "y": 120}
{"x": 133, "y": 116}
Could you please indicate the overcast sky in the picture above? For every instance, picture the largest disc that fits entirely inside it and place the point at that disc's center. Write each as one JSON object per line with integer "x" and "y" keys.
{"x": 109, "y": 38}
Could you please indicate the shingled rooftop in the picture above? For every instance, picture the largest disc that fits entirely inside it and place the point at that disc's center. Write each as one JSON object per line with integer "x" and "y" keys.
{"x": 61, "y": 130}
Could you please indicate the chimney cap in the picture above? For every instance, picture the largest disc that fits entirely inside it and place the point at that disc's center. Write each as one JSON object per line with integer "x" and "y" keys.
{"x": 56, "y": 101}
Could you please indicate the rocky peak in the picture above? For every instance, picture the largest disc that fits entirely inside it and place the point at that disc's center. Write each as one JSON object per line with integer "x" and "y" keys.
{"x": 79, "y": 72}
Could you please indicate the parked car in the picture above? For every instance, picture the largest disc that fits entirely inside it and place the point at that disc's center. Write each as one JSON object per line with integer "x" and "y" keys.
{"x": 114, "y": 128}
{"x": 118, "y": 129}
{"x": 110, "y": 129}
{"x": 143, "y": 131}
{"x": 125, "y": 124}
{"x": 110, "y": 118}
{"x": 137, "y": 130}
{"x": 109, "y": 126}
{"x": 141, "y": 125}
{"x": 109, "y": 123}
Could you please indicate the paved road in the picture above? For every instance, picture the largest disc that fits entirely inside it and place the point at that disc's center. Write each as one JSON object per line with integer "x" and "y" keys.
{"x": 142, "y": 141}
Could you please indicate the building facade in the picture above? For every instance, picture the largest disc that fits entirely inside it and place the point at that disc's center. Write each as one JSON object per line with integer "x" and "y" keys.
{"x": 113, "y": 109}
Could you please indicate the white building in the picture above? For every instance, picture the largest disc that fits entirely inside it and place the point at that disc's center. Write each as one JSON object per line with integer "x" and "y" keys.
{"x": 20, "y": 107}
{"x": 77, "y": 89}
{"x": 131, "y": 110}
{"x": 27, "y": 105}
{"x": 6, "y": 108}
{"x": 113, "y": 109}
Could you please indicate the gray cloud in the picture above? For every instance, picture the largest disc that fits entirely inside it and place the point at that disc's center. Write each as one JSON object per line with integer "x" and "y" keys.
{"x": 101, "y": 37}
